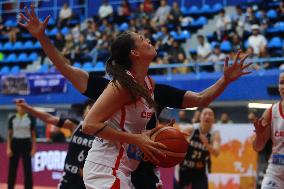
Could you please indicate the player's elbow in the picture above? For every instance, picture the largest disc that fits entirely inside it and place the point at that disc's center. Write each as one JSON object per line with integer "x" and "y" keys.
{"x": 86, "y": 128}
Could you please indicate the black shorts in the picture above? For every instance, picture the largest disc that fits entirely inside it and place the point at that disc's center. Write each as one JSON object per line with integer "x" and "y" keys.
{"x": 144, "y": 176}
{"x": 71, "y": 182}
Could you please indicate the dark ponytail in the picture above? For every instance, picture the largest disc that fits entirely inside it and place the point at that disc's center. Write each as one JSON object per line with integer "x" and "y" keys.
{"x": 118, "y": 64}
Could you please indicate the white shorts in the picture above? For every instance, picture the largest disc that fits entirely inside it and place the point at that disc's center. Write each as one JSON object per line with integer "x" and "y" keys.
{"x": 272, "y": 182}
{"x": 98, "y": 176}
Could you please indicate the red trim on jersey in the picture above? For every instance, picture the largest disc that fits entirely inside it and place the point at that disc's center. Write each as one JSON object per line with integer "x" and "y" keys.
{"x": 116, "y": 184}
{"x": 151, "y": 84}
{"x": 122, "y": 118}
{"x": 280, "y": 109}
{"x": 270, "y": 115}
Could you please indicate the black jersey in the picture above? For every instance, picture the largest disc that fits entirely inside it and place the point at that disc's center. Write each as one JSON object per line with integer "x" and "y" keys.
{"x": 78, "y": 149}
{"x": 197, "y": 157}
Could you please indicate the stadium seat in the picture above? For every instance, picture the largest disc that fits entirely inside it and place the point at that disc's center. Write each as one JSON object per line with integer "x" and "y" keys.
{"x": 8, "y": 46}
{"x": 226, "y": 46}
{"x": 77, "y": 65}
{"x": 11, "y": 58}
{"x": 4, "y": 70}
{"x": 10, "y": 23}
{"x": 217, "y": 7}
{"x": 65, "y": 31}
{"x": 194, "y": 10}
{"x": 100, "y": 65}
{"x": 53, "y": 32}
{"x": 18, "y": 45}
{"x": 37, "y": 45}
{"x": 43, "y": 69}
{"x": 15, "y": 70}
{"x": 272, "y": 14}
{"x": 205, "y": 9}
{"x": 88, "y": 66}
{"x": 275, "y": 42}
{"x": 123, "y": 27}
{"x": 28, "y": 45}
{"x": 201, "y": 20}
{"x": 33, "y": 56}
{"x": 23, "y": 57}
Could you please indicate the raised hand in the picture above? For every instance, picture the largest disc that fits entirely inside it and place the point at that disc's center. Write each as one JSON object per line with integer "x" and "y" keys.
{"x": 20, "y": 102}
{"x": 237, "y": 69}
{"x": 32, "y": 22}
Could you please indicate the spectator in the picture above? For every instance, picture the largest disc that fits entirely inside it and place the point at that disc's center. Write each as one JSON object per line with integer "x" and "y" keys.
{"x": 203, "y": 49}
{"x": 224, "y": 25}
{"x": 91, "y": 33}
{"x": 161, "y": 15}
{"x": 68, "y": 48}
{"x": 123, "y": 11}
{"x": 175, "y": 15}
{"x": 216, "y": 57}
{"x": 81, "y": 49}
{"x": 225, "y": 119}
{"x": 148, "y": 6}
{"x": 257, "y": 41}
{"x": 105, "y": 10}
{"x": 238, "y": 21}
{"x": 65, "y": 15}
{"x": 236, "y": 42}
{"x": 174, "y": 52}
{"x": 59, "y": 41}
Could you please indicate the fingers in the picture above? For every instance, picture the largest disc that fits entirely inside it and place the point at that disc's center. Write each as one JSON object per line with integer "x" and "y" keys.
{"x": 246, "y": 65}
{"x": 237, "y": 57}
{"x": 46, "y": 21}
{"x": 226, "y": 62}
{"x": 151, "y": 157}
{"x": 245, "y": 73}
{"x": 159, "y": 145}
{"x": 23, "y": 17}
{"x": 154, "y": 130}
{"x": 243, "y": 59}
{"x": 28, "y": 13}
{"x": 33, "y": 11}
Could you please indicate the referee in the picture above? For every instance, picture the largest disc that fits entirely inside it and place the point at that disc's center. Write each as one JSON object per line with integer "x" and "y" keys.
{"x": 20, "y": 143}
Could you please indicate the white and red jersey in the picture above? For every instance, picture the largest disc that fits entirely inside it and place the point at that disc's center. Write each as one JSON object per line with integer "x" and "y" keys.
{"x": 131, "y": 118}
{"x": 277, "y": 137}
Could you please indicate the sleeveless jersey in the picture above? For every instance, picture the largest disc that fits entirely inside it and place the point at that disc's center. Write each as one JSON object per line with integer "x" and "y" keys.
{"x": 197, "y": 156}
{"x": 77, "y": 152}
{"x": 131, "y": 118}
{"x": 277, "y": 137}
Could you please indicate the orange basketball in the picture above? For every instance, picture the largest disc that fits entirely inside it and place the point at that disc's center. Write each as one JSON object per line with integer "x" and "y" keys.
{"x": 176, "y": 145}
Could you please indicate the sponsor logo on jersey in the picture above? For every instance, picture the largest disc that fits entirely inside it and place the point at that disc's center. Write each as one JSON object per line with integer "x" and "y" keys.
{"x": 279, "y": 133}
{"x": 146, "y": 114}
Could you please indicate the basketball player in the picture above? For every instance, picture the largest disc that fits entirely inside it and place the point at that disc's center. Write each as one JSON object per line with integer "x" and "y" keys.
{"x": 78, "y": 148}
{"x": 271, "y": 126}
{"x": 166, "y": 96}
{"x": 203, "y": 141}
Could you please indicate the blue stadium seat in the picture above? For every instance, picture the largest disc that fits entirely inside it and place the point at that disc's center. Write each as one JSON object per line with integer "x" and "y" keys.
{"x": 272, "y": 14}
{"x": 194, "y": 10}
{"x": 88, "y": 66}
{"x": 201, "y": 20}
{"x": 205, "y": 9}
{"x": 174, "y": 34}
{"x": 279, "y": 26}
{"x": 28, "y": 45}
{"x": 11, "y": 58}
{"x": 275, "y": 42}
{"x": 4, "y": 70}
{"x": 8, "y": 46}
{"x": 33, "y": 57}
{"x": 51, "y": 22}
{"x": 123, "y": 27}
{"x": 18, "y": 45}
{"x": 184, "y": 35}
{"x": 37, "y": 45}
{"x": 10, "y": 23}
{"x": 23, "y": 57}
{"x": 53, "y": 32}
{"x": 226, "y": 46}
{"x": 214, "y": 43}
{"x": 217, "y": 7}
{"x": 65, "y": 31}
{"x": 100, "y": 64}
{"x": 77, "y": 65}
{"x": 15, "y": 70}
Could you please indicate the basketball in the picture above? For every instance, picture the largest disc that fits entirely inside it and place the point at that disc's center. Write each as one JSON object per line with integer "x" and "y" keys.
{"x": 176, "y": 146}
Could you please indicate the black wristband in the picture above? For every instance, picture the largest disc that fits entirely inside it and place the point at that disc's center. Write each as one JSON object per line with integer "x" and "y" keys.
{"x": 100, "y": 130}
{"x": 61, "y": 122}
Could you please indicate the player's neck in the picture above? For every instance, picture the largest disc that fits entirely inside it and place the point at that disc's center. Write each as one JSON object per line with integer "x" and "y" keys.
{"x": 204, "y": 129}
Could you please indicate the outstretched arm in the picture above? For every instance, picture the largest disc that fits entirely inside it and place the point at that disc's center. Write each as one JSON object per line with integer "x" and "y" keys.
{"x": 37, "y": 28}
{"x": 262, "y": 130}
{"x": 44, "y": 116}
{"x": 231, "y": 73}
{"x": 213, "y": 148}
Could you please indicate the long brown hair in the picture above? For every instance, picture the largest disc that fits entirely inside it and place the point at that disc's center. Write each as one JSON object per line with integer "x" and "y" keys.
{"x": 119, "y": 63}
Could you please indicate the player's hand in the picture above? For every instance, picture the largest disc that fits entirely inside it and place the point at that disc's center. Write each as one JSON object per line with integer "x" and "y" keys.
{"x": 171, "y": 123}
{"x": 32, "y": 22}
{"x": 151, "y": 149}
{"x": 33, "y": 152}
{"x": 20, "y": 102}
{"x": 260, "y": 125}
{"x": 204, "y": 139}
{"x": 237, "y": 69}
{"x": 9, "y": 152}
